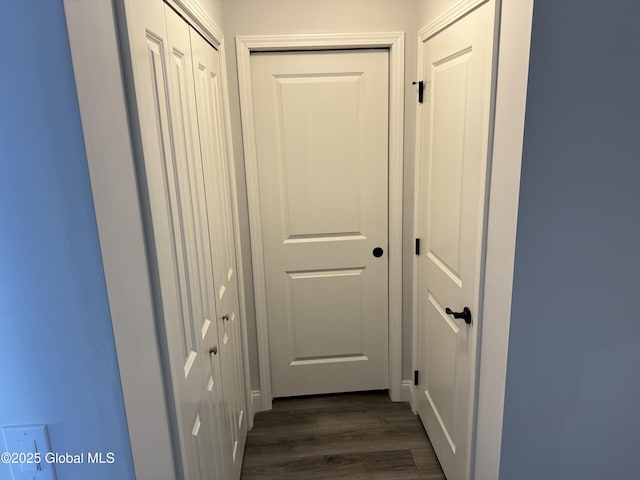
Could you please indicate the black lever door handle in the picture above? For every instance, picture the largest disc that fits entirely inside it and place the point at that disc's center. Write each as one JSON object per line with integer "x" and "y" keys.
{"x": 465, "y": 314}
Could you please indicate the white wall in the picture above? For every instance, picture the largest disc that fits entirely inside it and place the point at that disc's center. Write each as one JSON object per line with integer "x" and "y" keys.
{"x": 428, "y": 10}
{"x": 573, "y": 389}
{"x": 251, "y": 17}
{"x": 57, "y": 350}
{"x": 215, "y": 10}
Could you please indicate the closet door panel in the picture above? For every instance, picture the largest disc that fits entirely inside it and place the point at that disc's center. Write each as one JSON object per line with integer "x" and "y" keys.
{"x": 168, "y": 246}
{"x": 220, "y": 221}
{"x": 195, "y": 231}
{"x": 184, "y": 179}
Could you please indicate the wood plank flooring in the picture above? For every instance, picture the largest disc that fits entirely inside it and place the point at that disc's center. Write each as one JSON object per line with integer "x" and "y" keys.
{"x": 359, "y": 436}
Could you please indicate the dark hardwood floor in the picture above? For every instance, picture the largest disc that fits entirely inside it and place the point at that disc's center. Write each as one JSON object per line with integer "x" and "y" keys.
{"x": 355, "y": 436}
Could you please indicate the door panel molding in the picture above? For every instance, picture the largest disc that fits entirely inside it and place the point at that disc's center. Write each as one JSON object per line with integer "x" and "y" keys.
{"x": 394, "y": 42}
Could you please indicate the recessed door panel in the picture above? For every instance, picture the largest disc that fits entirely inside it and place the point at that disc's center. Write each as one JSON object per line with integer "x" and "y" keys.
{"x": 315, "y": 319}
{"x": 321, "y": 152}
{"x": 449, "y": 97}
{"x": 165, "y": 191}
{"x": 441, "y": 347}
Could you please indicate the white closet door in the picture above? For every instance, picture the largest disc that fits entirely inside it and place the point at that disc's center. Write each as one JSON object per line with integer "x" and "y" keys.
{"x": 179, "y": 247}
{"x": 206, "y": 69}
{"x": 147, "y": 31}
{"x": 192, "y": 202}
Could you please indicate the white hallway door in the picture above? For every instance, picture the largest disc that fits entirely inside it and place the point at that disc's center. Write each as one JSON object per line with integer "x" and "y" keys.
{"x": 321, "y": 122}
{"x": 452, "y": 172}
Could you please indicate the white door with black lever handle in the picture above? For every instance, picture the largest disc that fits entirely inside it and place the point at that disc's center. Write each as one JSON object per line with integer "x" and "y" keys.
{"x": 451, "y": 170}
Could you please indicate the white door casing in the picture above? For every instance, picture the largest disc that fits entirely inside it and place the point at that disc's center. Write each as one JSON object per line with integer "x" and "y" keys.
{"x": 451, "y": 169}
{"x": 219, "y": 218}
{"x": 321, "y": 137}
{"x": 511, "y": 75}
{"x": 394, "y": 42}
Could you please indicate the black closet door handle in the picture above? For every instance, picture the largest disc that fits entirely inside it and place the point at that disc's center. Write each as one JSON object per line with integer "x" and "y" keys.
{"x": 377, "y": 252}
{"x": 465, "y": 314}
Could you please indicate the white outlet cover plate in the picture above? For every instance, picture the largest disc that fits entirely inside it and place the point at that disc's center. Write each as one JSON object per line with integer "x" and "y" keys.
{"x": 29, "y": 439}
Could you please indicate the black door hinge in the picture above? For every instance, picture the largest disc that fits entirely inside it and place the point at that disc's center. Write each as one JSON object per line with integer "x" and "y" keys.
{"x": 420, "y": 90}
{"x": 415, "y": 377}
{"x": 417, "y": 246}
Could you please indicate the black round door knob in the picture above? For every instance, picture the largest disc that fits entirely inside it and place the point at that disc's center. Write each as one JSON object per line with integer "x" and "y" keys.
{"x": 377, "y": 252}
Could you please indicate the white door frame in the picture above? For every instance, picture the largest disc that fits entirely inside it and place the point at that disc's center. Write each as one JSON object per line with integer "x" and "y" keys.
{"x": 394, "y": 42}
{"x": 93, "y": 41}
{"x": 510, "y": 74}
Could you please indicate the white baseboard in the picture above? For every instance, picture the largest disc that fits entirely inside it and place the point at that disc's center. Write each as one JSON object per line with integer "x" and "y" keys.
{"x": 256, "y": 401}
{"x": 409, "y": 394}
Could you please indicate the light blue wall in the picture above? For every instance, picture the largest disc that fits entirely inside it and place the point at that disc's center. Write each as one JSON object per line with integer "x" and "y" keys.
{"x": 57, "y": 356}
{"x": 572, "y": 406}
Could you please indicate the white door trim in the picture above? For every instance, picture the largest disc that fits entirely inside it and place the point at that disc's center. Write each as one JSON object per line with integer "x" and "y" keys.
{"x": 508, "y": 103}
{"x": 512, "y": 72}
{"x": 393, "y": 41}
{"x": 97, "y": 70}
